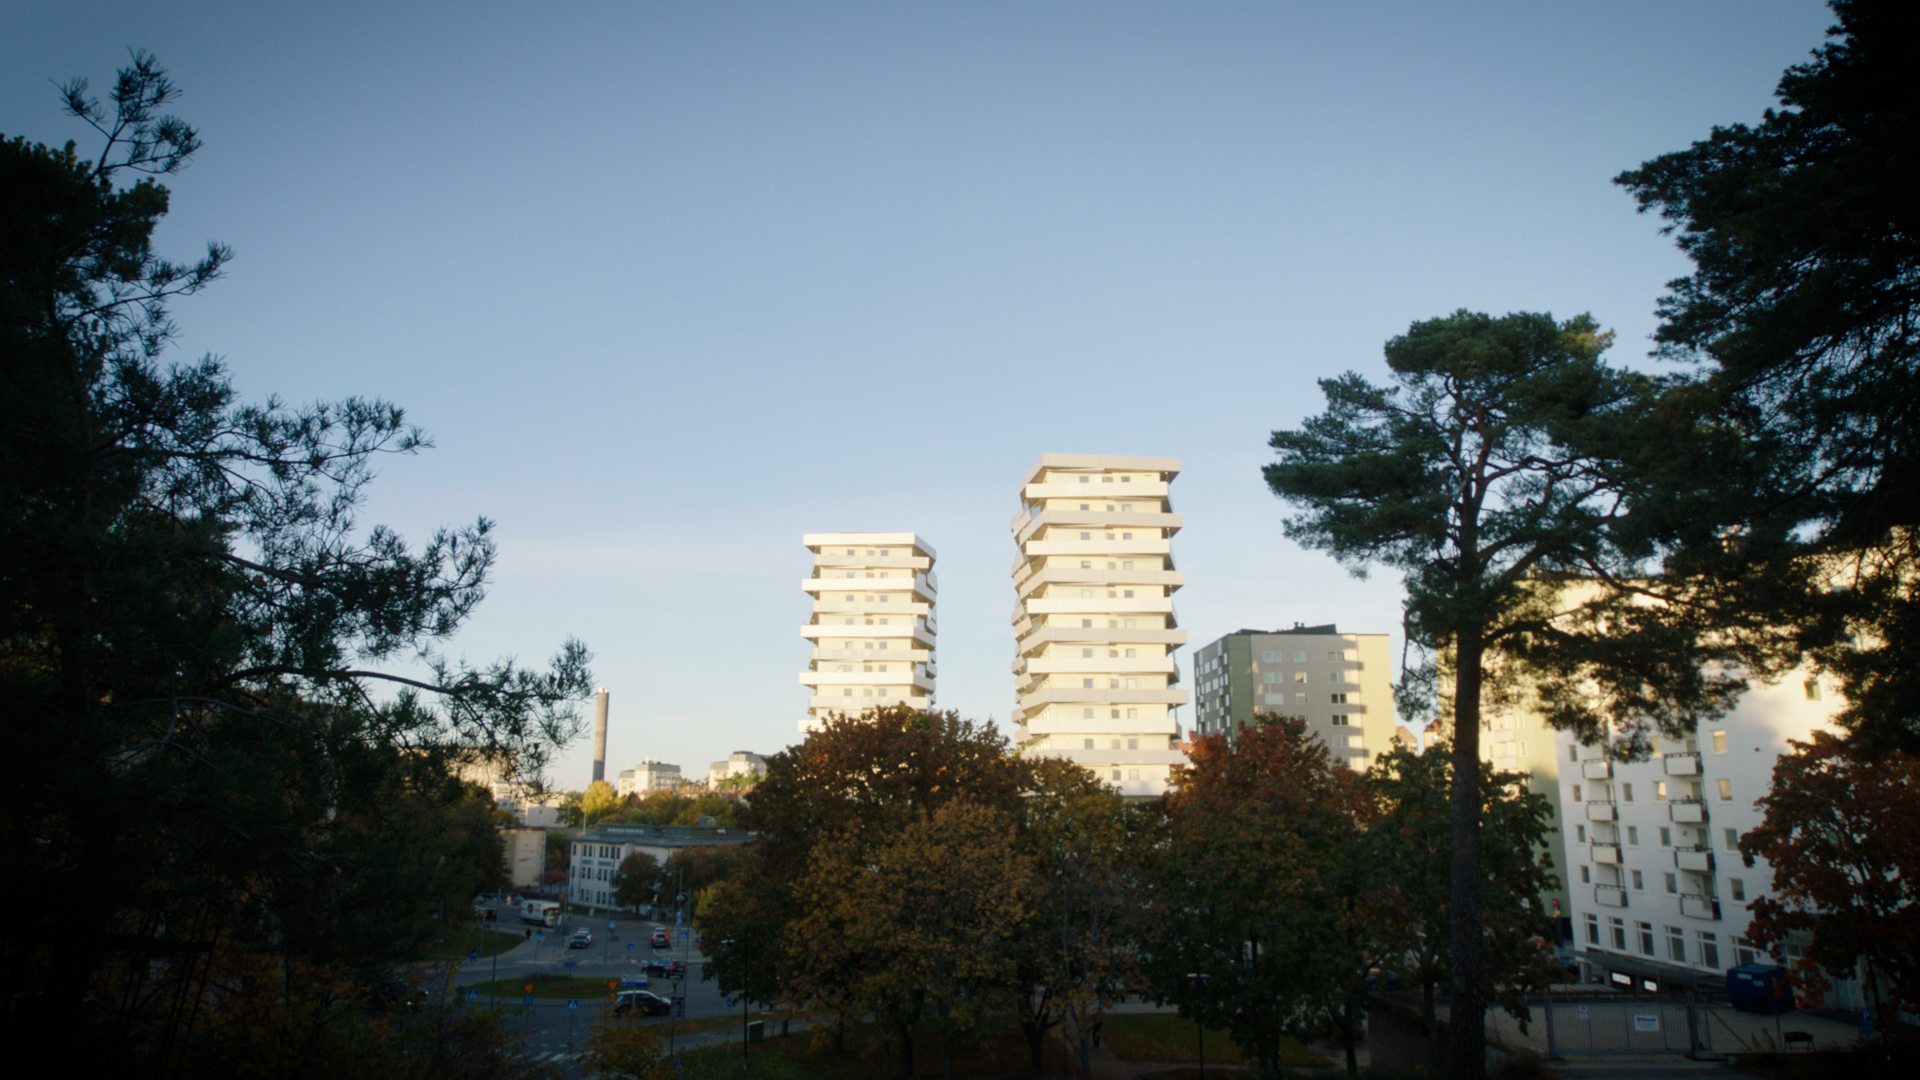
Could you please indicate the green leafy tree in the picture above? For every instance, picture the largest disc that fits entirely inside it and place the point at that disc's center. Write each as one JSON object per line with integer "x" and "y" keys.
{"x": 1802, "y": 314}
{"x": 636, "y": 880}
{"x": 599, "y": 803}
{"x": 1408, "y": 848}
{"x": 1249, "y": 892}
{"x": 229, "y": 688}
{"x": 1842, "y": 836}
{"x": 1488, "y": 473}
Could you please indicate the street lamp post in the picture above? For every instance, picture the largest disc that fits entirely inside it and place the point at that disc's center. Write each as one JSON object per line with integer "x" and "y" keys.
{"x": 1198, "y": 981}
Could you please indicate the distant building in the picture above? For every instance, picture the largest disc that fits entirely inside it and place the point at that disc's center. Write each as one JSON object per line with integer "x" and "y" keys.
{"x": 649, "y": 775}
{"x": 525, "y": 855}
{"x": 873, "y": 623}
{"x": 1340, "y": 684}
{"x": 1405, "y": 736}
{"x": 738, "y": 763}
{"x": 1094, "y": 625}
{"x": 598, "y": 852}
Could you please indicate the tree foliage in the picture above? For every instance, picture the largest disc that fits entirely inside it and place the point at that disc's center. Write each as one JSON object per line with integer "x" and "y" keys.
{"x": 636, "y": 880}
{"x": 1802, "y": 314}
{"x": 1492, "y": 469}
{"x": 230, "y": 690}
{"x": 1261, "y": 923}
{"x": 1842, "y": 835}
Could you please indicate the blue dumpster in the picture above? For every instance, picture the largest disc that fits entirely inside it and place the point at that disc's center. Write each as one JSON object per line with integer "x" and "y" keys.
{"x": 1760, "y": 988}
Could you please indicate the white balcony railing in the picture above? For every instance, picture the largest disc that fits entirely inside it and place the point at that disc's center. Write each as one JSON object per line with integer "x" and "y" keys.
{"x": 1688, "y": 811}
{"x": 1609, "y": 896}
{"x": 1699, "y": 907}
{"x": 1606, "y": 854}
{"x": 1602, "y": 811}
{"x": 1682, "y": 764}
{"x": 1698, "y": 860}
{"x": 1600, "y": 769}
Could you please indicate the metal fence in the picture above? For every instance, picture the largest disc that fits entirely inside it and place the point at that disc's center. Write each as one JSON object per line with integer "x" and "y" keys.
{"x": 1580, "y": 1025}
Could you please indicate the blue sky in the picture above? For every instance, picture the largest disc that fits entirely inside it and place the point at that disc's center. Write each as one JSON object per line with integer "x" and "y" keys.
{"x": 672, "y": 284}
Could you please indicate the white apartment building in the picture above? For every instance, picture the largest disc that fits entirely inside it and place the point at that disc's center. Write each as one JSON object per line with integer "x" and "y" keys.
{"x": 1659, "y": 890}
{"x": 597, "y": 853}
{"x": 1340, "y": 684}
{"x": 739, "y": 763}
{"x": 649, "y": 775}
{"x": 873, "y": 623}
{"x": 1094, "y": 628}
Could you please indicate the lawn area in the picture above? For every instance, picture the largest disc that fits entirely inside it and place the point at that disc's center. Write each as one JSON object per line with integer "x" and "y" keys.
{"x": 1002, "y": 1053}
{"x": 462, "y": 940}
{"x": 548, "y": 986}
{"x": 1167, "y": 1037}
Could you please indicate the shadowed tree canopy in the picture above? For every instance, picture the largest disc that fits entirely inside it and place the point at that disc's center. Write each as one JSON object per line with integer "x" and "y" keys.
{"x": 1488, "y": 471}
{"x": 1802, "y": 316}
{"x": 228, "y": 690}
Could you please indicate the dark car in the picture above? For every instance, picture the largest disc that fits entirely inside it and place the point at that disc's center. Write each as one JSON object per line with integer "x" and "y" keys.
{"x": 581, "y": 939}
{"x": 665, "y": 969}
{"x": 661, "y": 940}
{"x": 641, "y": 1001}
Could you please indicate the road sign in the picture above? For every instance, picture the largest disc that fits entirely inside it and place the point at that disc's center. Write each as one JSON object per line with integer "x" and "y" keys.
{"x": 1866, "y": 1024}
{"x": 473, "y": 995}
{"x": 1646, "y": 1021}
{"x": 574, "y": 1004}
{"x": 540, "y": 936}
{"x": 528, "y": 1000}
{"x": 1583, "y": 1013}
{"x": 473, "y": 954}
{"x": 568, "y": 964}
{"x": 528, "y": 987}
{"x": 611, "y": 925}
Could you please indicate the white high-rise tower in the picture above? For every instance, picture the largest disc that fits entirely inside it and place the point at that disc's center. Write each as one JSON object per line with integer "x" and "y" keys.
{"x": 873, "y": 623}
{"x": 1095, "y": 627}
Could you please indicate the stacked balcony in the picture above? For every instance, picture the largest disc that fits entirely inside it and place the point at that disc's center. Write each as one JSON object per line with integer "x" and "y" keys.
{"x": 1687, "y": 764}
{"x": 1696, "y": 859}
{"x": 1688, "y": 811}
{"x": 1695, "y": 906}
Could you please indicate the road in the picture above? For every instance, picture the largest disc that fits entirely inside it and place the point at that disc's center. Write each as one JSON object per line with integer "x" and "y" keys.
{"x": 556, "y": 1033}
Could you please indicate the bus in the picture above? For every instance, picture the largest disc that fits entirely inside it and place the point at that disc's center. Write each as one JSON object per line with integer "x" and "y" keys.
{"x": 540, "y": 912}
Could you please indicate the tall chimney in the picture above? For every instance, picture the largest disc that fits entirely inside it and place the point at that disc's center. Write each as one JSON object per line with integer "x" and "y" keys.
{"x": 600, "y": 735}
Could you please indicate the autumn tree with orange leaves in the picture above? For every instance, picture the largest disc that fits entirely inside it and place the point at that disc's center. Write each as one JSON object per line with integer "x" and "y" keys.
{"x": 1842, "y": 834}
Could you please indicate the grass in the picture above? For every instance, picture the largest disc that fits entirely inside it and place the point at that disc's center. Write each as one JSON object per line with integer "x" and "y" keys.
{"x": 1167, "y": 1037}
{"x": 462, "y": 940}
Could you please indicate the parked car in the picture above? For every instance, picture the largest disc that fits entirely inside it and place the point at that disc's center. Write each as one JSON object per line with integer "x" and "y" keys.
{"x": 665, "y": 969}
{"x": 661, "y": 940}
{"x": 581, "y": 939}
{"x": 644, "y": 1002}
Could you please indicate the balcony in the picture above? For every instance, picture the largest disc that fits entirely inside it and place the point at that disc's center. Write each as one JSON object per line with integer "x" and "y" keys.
{"x": 1698, "y": 860}
{"x": 1682, "y": 764}
{"x": 1606, "y": 854}
{"x": 1602, "y": 811}
{"x": 1688, "y": 811}
{"x": 1699, "y": 907}
{"x": 1609, "y": 896}
{"x": 1600, "y": 769}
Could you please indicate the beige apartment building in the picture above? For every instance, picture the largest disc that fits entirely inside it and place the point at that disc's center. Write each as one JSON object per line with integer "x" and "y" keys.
{"x": 1340, "y": 684}
{"x": 873, "y": 623}
{"x": 1094, "y": 627}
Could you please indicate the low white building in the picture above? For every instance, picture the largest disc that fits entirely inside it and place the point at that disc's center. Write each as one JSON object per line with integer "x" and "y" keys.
{"x": 597, "y": 854}
{"x": 1658, "y": 889}
{"x": 649, "y": 775}
{"x": 525, "y": 855}
{"x": 739, "y": 763}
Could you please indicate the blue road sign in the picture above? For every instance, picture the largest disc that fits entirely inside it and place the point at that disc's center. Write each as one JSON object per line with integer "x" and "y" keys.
{"x": 1866, "y": 1023}
{"x": 629, "y": 946}
{"x": 541, "y": 936}
{"x": 574, "y": 1004}
{"x": 568, "y": 964}
{"x": 473, "y": 954}
{"x": 528, "y": 1000}
{"x": 610, "y": 924}
{"x": 473, "y": 995}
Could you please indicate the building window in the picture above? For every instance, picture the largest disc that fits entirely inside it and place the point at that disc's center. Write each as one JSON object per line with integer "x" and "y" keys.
{"x": 1627, "y": 791}
{"x": 1339, "y": 699}
{"x": 1129, "y": 624}
{"x": 1586, "y": 875}
{"x": 1672, "y": 885}
{"x": 1743, "y": 953}
{"x": 1133, "y": 714}
{"x": 1593, "y": 929}
{"x": 1618, "y": 928}
{"x": 1127, "y": 565}
{"x": 1659, "y": 791}
{"x": 1719, "y": 742}
{"x": 1086, "y": 564}
{"x": 1086, "y": 594}
{"x": 1340, "y": 719}
{"x": 1086, "y": 536}
{"x": 1086, "y": 480}
{"x": 1573, "y": 753}
{"x": 1579, "y": 834}
{"x": 1676, "y": 945}
{"x": 1737, "y": 888}
{"x": 1645, "y": 933}
{"x": 1633, "y": 835}
{"x": 1576, "y": 793}
{"x": 1086, "y": 714}
{"x": 1086, "y": 652}
{"x": 1086, "y": 624}
{"x": 1812, "y": 687}
{"x": 1637, "y": 883}
{"x": 1133, "y": 744}
{"x": 1726, "y": 789}
{"x": 1129, "y": 654}
{"x": 1709, "y": 949}
{"x": 1116, "y": 774}
{"x": 1089, "y": 745}
{"x": 1113, "y": 714}
{"x": 1733, "y": 839}
{"x": 1666, "y": 836}
{"x": 1086, "y": 506}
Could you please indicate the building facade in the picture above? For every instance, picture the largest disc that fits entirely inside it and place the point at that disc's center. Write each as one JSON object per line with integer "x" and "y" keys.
{"x": 1340, "y": 684}
{"x": 739, "y": 763}
{"x": 1094, "y": 624}
{"x": 595, "y": 855}
{"x": 525, "y": 852}
{"x": 1659, "y": 889}
{"x": 873, "y": 624}
{"x": 649, "y": 775}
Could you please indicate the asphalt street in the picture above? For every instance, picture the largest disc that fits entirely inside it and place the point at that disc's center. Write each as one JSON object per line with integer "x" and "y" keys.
{"x": 555, "y": 1032}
